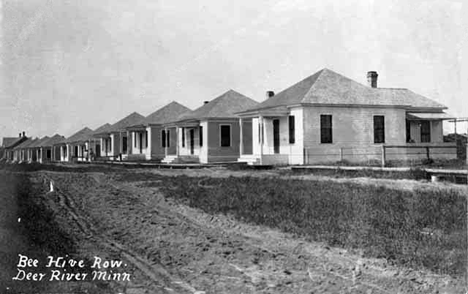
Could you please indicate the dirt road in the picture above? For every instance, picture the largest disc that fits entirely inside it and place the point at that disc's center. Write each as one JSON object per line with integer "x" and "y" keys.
{"x": 172, "y": 248}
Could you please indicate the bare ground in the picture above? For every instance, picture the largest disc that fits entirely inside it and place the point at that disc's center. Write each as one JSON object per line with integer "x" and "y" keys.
{"x": 172, "y": 248}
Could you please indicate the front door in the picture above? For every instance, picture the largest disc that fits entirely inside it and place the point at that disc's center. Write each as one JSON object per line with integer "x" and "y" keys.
{"x": 276, "y": 136}
{"x": 141, "y": 142}
{"x": 192, "y": 141}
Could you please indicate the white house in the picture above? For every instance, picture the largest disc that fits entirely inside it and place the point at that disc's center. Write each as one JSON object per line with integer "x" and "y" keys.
{"x": 146, "y": 137}
{"x": 328, "y": 117}
{"x": 208, "y": 134}
{"x": 114, "y": 140}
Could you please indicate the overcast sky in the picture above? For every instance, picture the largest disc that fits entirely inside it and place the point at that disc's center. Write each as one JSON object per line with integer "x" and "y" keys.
{"x": 66, "y": 64}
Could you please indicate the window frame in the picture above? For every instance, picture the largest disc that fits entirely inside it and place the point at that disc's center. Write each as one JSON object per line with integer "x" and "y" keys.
{"x": 379, "y": 133}
{"x": 322, "y": 129}
{"x": 292, "y": 129}
{"x": 220, "y": 135}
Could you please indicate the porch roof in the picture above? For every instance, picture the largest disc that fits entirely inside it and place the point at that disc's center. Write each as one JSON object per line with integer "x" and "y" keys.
{"x": 428, "y": 115}
{"x": 268, "y": 112}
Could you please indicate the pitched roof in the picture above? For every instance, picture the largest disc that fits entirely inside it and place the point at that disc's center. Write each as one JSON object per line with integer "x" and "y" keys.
{"x": 26, "y": 143}
{"x": 167, "y": 113}
{"x": 329, "y": 87}
{"x": 223, "y": 106}
{"x": 38, "y": 142}
{"x": 130, "y": 120}
{"x": 8, "y": 141}
{"x": 55, "y": 139}
{"x": 102, "y": 128}
{"x": 81, "y": 135}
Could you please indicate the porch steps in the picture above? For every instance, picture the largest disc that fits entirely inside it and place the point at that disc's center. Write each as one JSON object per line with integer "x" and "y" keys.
{"x": 169, "y": 159}
{"x": 250, "y": 160}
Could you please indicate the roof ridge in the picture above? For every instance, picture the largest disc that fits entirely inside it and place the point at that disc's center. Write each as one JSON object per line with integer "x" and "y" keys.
{"x": 320, "y": 74}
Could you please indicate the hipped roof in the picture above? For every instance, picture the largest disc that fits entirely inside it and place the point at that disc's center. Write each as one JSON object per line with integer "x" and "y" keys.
{"x": 38, "y": 142}
{"x": 130, "y": 120}
{"x": 79, "y": 136}
{"x": 54, "y": 140}
{"x": 10, "y": 141}
{"x": 26, "y": 143}
{"x": 328, "y": 87}
{"x": 223, "y": 106}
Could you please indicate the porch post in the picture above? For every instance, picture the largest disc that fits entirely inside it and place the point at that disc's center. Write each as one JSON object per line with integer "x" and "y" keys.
{"x": 177, "y": 141}
{"x": 260, "y": 122}
{"x": 241, "y": 141}
{"x": 165, "y": 143}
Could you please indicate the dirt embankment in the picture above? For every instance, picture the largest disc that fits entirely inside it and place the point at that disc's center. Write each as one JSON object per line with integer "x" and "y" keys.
{"x": 173, "y": 248}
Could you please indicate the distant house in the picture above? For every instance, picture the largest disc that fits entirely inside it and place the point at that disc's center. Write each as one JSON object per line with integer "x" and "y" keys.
{"x": 145, "y": 138}
{"x": 9, "y": 143}
{"x": 76, "y": 145}
{"x": 114, "y": 140}
{"x": 22, "y": 152}
{"x": 35, "y": 149}
{"x": 328, "y": 117}
{"x": 210, "y": 133}
{"x": 93, "y": 143}
{"x": 51, "y": 149}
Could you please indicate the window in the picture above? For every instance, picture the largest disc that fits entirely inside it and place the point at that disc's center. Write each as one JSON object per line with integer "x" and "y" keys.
{"x": 225, "y": 135}
{"x": 292, "y": 137}
{"x": 146, "y": 138}
{"x": 134, "y": 139}
{"x": 200, "y": 130}
{"x": 163, "y": 139}
{"x": 326, "y": 128}
{"x": 408, "y": 132}
{"x": 183, "y": 137}
{"x": 425, "y": 131}
{"x": 48, "y": 154}
{"x": 379, "y": 129}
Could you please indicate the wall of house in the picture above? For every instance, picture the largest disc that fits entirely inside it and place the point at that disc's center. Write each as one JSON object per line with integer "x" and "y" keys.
{"x": 216, "y": 153}
{"x": 352, "y": 132}
{"x": 155, "y": 143}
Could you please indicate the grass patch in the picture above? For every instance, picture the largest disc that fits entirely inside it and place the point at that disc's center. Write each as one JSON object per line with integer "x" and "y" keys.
{"x": 412, "y": 174}
{"x": 416, "y": 229}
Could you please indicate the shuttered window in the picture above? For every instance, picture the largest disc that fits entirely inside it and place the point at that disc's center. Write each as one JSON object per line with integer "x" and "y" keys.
{"x": 163, "y": 139}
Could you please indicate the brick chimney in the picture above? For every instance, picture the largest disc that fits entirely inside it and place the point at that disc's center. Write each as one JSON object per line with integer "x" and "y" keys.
{"x": 24, "y": 134}
{"x": 269, "y": 94}
{"x": 372, "y": 79}
{"x": 19, "y": 135}
{"x": 206, "y": 102}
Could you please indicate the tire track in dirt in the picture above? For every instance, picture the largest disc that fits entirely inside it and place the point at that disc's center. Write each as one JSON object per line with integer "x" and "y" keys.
{"x": 321, "y": 272}
{"x": 156, "y": 273}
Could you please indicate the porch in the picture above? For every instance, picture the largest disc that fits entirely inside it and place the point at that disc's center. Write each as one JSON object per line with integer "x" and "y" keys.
{"x": 272, "y": 138}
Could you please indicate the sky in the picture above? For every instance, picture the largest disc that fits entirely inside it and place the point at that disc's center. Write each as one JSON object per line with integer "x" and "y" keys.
{"x": 67, "y": 64}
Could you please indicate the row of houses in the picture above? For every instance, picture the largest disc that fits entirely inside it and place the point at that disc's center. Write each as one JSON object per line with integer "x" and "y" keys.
{"x": 323, "y": 118}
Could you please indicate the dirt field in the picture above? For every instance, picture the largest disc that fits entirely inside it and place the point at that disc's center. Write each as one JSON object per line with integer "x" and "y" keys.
{"x": 172, "y": 248}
